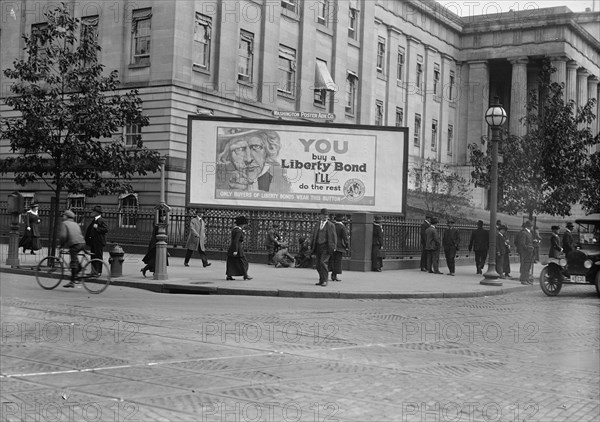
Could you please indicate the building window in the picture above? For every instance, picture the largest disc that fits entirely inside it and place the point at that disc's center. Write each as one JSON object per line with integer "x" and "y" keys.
{"x": 351, "y": 80}
{"x": 452, "y": 86}
{"x": 291, "y": 5}
{"x": 287, "y": 70}
{"x": 323, "y": 12}
{"x": 128, "y": 208}
{"x": 36, "y": 31}
{"x": 380, "y": 55}
{"x": 378, "y": 113}
{"x": 202, "y": 39}
{"x": 434, "y": 134}
{"x": 246, "y": 56}
{"x": 436, "y": 79}
{"x": 132, "y": 134}
{"x": 450, "y": 139}
{"x": 419, "y": 72}
{"x": 400, "y": 71}
{"x": 141, "y": 29}
{"x": 76, "y": 203}
{"x": 417, "y": 137}
{"x": 399, "y": 116}
{"x": 89, "y": 27}
{"x": 353, "y": 23}
{"x": 320, "y": 91}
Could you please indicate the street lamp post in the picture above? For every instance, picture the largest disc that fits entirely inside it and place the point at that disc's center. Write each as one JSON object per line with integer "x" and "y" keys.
{"x": 495, "y": 117}
{"x": 162, "y": 221}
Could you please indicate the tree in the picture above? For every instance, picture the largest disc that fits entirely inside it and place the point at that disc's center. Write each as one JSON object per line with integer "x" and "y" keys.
{"x": 442, "y": 191}
{"x": 69, "y": 112}
{"x": 549, "y": 169}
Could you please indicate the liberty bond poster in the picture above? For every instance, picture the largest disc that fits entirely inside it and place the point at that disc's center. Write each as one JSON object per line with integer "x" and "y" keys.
{"x": 270, "y": 163}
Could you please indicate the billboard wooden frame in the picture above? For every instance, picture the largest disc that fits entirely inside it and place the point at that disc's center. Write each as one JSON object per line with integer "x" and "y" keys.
{"x": 309, "y": 125}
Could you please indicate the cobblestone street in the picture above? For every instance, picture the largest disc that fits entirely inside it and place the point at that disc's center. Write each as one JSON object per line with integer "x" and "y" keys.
{"x": 131, "y": 355}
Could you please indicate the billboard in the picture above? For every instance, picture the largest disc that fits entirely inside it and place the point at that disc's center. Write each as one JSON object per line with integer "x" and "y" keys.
{"x": 296, "y": 165}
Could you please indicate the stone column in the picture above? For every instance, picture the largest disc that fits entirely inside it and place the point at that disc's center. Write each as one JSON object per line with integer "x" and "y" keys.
{"x": 560, "y": 63}
{"x": 571, "y": 87}
{"x": 593, "y": 93}
{"x": 518, "y": 96}
{"x": 362, "y": 242}
{"x": 477, "y": 100}
{"x": 582, "y": 86}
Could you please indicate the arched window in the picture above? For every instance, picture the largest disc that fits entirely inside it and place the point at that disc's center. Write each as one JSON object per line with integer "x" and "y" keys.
{"x": 128, "y": 208}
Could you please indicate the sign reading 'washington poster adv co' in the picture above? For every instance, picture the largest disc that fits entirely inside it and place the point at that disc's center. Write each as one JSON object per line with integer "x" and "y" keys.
{"x": 296, "y": 165}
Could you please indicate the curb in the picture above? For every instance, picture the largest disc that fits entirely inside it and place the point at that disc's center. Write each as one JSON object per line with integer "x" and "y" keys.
{"x": 215, "y": 290}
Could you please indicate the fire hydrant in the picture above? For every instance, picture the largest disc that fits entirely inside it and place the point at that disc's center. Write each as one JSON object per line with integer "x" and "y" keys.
{"x": 116, "y": 260}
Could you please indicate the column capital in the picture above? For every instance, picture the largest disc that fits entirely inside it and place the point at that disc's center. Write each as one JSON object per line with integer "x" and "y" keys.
{"x": 410, "y": 38}
{"x": 582, "y": 72}
{"x": 593, "y": 79}
{"x": 518, "y": 60}
{"x": 572, "y": 65}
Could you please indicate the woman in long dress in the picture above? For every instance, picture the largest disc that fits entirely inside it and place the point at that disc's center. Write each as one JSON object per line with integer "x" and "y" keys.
{"x": 237, "y": 265}
{"x": 31, "y": 237}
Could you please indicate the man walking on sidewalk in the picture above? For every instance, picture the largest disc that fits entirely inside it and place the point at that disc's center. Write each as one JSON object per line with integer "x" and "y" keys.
{"x": 525, "y": 250}
{"x": 196, "y": 239}
{"x": 480, "y": 242}
{"x": 432, "y": 245}
{"x": 323, "y": 243}
{"x": 450, "y": 243}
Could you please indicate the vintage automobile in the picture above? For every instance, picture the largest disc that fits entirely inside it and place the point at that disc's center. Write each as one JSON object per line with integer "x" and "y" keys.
{"x": 581, "y": 266}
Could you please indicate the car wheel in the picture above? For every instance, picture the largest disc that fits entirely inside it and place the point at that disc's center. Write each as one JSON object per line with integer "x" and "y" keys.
{"x": 551, "y": 281}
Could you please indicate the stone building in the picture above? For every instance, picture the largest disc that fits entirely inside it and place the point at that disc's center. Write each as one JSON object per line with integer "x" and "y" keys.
{"x": 375, "y": 62}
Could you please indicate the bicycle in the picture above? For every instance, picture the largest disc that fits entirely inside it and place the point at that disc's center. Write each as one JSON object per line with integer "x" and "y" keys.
{"x": 50, "y": 272}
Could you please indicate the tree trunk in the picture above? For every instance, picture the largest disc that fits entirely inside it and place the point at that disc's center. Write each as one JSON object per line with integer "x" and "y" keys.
{"x": 55, "y": 221}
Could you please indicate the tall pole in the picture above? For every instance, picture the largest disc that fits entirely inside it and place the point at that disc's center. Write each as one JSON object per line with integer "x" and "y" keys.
{"x": 491, "y": 276}
{"x": 162, "y": 219}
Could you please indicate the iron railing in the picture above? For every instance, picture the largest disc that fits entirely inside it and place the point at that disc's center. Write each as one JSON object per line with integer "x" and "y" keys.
{"x": 402, "y": 238}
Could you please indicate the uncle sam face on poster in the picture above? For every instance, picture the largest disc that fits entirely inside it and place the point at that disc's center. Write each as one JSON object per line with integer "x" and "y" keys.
{"x": 294, "y": 165}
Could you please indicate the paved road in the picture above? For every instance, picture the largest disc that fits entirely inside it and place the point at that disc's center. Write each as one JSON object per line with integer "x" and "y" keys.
{"x": 130, "y": 354}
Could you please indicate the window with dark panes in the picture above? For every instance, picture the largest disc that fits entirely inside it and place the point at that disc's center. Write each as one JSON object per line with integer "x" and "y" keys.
{"x": 141, "y": 29}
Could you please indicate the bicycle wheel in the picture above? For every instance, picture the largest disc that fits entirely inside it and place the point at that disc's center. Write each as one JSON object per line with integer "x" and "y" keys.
{"x": 90, "y": 279}
{"x": 50, "y": 272}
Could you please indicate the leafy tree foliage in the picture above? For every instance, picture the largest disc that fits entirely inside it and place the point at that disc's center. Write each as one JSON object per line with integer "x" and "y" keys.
{"x": 69, "y": 111}
{"x": 550, "y": 168}
{"x": 442, "y": 191}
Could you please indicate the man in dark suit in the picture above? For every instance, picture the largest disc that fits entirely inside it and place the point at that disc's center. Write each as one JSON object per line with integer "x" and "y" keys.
{"x": 340, "y": 248}
{"x": 95, "y": 237}
{"x": 450, "y": 242}
{"x": 555, "y": 248}
{"x": 377, "y": 245}
{"x": 432, "y": 244}
{"x": 424, "y": 225}
{"x": 480, "y": 243}
{"x": 501, "y": 250}
{"x": 568, "y": 244}
{"x": 323, "y": 244}
{"x": 525, "y": 250}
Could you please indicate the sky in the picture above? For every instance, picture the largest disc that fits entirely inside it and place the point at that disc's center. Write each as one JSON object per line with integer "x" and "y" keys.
{"x": 479, "y": 7}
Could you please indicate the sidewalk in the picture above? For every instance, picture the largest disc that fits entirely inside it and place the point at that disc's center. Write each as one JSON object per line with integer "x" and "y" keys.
{"x": 296, "y": 282}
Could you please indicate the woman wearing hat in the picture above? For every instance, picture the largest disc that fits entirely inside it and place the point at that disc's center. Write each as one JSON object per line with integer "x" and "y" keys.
{"x": 95, "y": 237}
{"x": 237, "y": 264}
{"x": 31, "y": 237}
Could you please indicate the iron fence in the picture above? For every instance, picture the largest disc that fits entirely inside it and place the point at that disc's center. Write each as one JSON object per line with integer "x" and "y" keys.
{"x": 402, "y": 238}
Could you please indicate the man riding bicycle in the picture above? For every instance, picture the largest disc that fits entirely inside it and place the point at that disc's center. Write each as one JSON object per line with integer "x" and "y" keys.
{"x": 70, "y": 236}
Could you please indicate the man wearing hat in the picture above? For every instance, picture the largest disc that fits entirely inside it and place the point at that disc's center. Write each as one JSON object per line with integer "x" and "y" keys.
{"x": 95, "y": 237}
{"x": 377, "y": 252}
{"x": 555, "y": 248}
{"x": 70, "y": 236}
{"x": 525, "y": 250}
{"x": 323, "y": 244}
{"x": 341, "y": 247}
{"x": 196, "y": 239}
{"x": 501, "y": 250}
{"x": 450, "y": 242}
{"x": 480, "y": 242}
{"x": 568, "y": 244}
{"x": 432, "y": 245}
{"x": 248, "y": 160}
